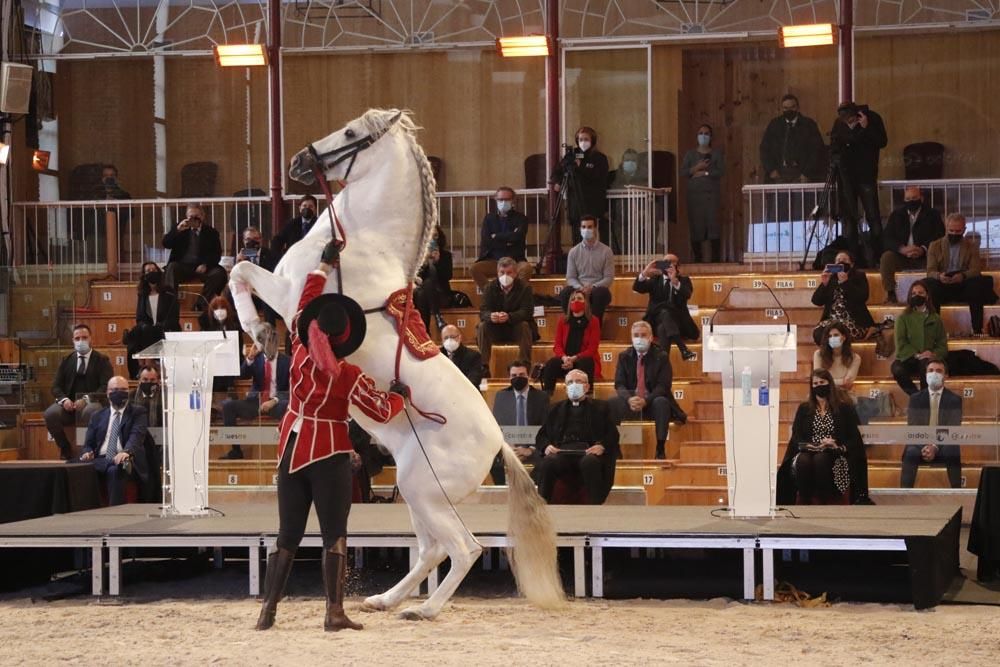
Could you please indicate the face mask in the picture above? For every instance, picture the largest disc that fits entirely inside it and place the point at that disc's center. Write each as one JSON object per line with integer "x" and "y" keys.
{"x": 789, "y": 114}
{"x": 110, "y": 181}
{"x": 935, "y": 380}
{"x": 503, "y": 206}
{"x": 640, "y": 344}
{"x": 574, "y": 391}
{"x": 955, "y": 239}
{"x": 821, "y": 391}
{"x": 704, "y": 139}
{"x": 451, "y": 344}
{"x": 118, "y": 397}
{"x": 147, "y": 388}
{"x": 220, "y": 314}
{"x": 587, "y": 234}
{"x": 629, "y": 166}
{"x": 917, "y": 301}
{"x": 307, "y": 214}
{"x": 913, "y": 205}
{"x": 153, "y": 277}
{"x": 81, "y": 346}
{"x": 584, "y": 145}
{"x": 577, "y": 307}
{"x": 835, "y": 341}
{"x": 505, "y": 280}
{"x": 253, "y": 244}
{"x": 519, "y": 383}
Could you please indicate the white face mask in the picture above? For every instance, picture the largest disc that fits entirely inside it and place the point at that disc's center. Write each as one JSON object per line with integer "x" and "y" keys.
{"x": 587, "y": 234}
{"x": 220, "y": 314}
{"x": 505, "y": 280}
{"x": 575, "y": 391}
{"x": 503, "y": 206}
{"x": 935, "y": 380}
{"x": 629, "y": 167}
{"x": 81, "y": 346}
{"x": 451, "y": 344}
{"x": 584, "y": 145}
{"x": 640, "y": 344}
{"x": 835, "y": 341}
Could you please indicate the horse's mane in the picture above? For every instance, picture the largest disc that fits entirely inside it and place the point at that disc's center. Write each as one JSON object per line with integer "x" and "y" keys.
{"x": 378, "y": 121}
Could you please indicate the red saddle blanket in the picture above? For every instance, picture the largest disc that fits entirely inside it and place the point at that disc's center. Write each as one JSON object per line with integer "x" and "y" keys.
{"x": 414, "y": 333}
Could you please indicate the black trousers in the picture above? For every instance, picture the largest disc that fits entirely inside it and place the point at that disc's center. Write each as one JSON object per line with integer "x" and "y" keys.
{"x": 657, "y": 409}
{"x": 850, "y": 193}
{"x": 976, "y": 291}
{"x": 326, "y": 484}
{"x": 553, "y": 370}
{"x": 903, "y": 372}
{"x": 596, "y": 472}
{"x": 213, "y": 280}
{"x": 813, "y": 473}
{"x": 600, "y": 299}
{"x": 114, "y": 477}
{"x": 949, "y": 455}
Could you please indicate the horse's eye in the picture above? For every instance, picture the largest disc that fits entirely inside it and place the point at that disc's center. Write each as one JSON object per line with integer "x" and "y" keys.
{"x": 349, "y": 133}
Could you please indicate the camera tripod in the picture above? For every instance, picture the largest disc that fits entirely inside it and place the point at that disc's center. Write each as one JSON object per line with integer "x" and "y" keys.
{"x": 822, "y": 207}
{"x": 553, "y": 241}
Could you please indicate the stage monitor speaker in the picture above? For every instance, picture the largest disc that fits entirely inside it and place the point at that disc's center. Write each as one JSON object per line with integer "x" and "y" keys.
{"x": 15, "y": 87}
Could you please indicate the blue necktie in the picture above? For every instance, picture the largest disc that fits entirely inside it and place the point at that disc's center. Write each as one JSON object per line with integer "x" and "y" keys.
{"x": 522, "y": 418}
{"x": 116, "y": 428}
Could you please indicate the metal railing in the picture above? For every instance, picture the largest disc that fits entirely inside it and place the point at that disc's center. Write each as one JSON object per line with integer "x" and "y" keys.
{"x": 60, "y": 239}
{"x": 779, "y": 217}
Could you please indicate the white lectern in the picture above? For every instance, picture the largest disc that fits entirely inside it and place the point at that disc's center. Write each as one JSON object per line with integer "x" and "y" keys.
{"x": 751, "y": 430}
{"x": 188, "y": 362}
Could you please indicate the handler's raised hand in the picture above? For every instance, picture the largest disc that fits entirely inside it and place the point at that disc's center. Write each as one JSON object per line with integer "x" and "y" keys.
{"x": 331, "y": 253}
{"x": 397, "y": 387}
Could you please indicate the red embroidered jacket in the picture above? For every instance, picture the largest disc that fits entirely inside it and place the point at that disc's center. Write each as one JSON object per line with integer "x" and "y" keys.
{"x": 322, "y": 403}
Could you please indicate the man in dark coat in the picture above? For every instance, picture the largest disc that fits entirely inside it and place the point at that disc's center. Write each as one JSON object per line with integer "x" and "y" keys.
{"x": 792, "y": 150}
{"x": 295, "y": 229}
{"x": 933, "y": 406}
{"x": 116, "y": 440}
{"x": 519, "y": 404}
{"x": 910, "y": 229}
{"x": 195, "y": 251}
{"x": 506, "y": 312}
{"x": 579, "y": 435}
{"x": 504, "y": 234}
{"x": 468, "y": 360}
{"x": 667, "y": 311}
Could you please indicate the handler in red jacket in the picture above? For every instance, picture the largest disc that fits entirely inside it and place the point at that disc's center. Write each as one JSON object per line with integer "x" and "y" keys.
{"x": 314, "y": 446}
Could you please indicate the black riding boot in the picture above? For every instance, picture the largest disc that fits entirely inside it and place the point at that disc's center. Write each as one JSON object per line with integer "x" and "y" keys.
{"x": 279, "y": 566}
{"x": 334, "y": 573}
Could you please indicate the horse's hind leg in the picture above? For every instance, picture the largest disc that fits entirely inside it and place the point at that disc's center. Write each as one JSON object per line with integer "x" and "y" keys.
{"x": 430, "y": 554}
{"x": 462, "y": 548}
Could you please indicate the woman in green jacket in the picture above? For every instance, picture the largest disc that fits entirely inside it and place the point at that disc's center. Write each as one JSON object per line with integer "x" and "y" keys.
{"x": 920, "y": 339}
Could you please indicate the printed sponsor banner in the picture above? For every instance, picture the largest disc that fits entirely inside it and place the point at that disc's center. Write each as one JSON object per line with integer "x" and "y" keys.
{"x": 935, "y": 435}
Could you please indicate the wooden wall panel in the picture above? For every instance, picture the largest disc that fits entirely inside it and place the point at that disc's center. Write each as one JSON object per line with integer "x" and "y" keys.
{"x": 481, "y": 114}
{"x": 105, "y": 113}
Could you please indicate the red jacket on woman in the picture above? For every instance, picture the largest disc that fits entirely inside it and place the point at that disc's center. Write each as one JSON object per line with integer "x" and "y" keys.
{"x": 588, "y": 347}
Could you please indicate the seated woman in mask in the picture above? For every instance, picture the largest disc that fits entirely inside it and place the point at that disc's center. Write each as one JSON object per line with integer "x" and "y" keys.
{"x": 221, "y": 316}
{"x": 156, "y": 312}
{"x": 578, "y": 336}
{"x": 631, "y": 170}
{"x": 843, "y": 293}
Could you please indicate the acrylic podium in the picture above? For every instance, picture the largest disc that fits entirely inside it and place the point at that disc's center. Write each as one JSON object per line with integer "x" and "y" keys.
{"x": 188, "y": 363}
{"x": 751, "y": 430}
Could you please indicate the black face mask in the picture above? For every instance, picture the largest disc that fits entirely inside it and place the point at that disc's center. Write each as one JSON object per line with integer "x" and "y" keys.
{"x": 147, "y": 388}
{"x": 789, "y": 115}
{"x": 955, "y": 239}
{"x": 252, "y": 244}
{"x": 821, "y": 391}
{"x": 519, "y": 383}
{"x": 307, "y": 214}
{"x": 118, "y": 397}
{"x": 914, "y": 205}
{"x": 110, "y": 181}
{"x": 153, "y": 277}
{"x": 918, "y": 300}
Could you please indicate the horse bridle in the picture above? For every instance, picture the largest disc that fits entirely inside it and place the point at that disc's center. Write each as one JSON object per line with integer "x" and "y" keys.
{"x": 347, "y": 151}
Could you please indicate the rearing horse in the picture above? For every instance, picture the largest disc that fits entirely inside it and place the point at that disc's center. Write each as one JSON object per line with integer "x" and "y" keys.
{"x": 388, "y": 211}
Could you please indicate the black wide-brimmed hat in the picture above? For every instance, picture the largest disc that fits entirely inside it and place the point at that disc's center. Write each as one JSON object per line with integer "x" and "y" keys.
{"x": 340, "y": 317}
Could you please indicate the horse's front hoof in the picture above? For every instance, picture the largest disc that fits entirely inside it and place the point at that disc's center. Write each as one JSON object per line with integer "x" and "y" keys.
{"x": 413, "y": 614}
{"x": 373, "y": 604}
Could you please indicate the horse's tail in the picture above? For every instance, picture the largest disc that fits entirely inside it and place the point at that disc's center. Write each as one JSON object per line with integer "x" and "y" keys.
{"x": 532, "y": 537}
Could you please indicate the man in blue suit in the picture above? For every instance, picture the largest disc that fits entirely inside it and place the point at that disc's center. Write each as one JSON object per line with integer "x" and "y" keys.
{"x": 267, "y": 397}
{"x": 933, "y": 406}
{"x": 115, "y": 442}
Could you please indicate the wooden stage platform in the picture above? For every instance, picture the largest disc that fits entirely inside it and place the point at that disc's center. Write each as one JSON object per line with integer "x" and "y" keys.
{"x": 928, "y": 534}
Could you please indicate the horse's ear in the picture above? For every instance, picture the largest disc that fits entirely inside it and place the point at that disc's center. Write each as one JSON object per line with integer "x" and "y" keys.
{"x": 394, "y": 119}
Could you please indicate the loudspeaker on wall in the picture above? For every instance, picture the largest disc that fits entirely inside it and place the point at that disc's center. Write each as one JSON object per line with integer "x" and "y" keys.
{"x": 15, "y": 87}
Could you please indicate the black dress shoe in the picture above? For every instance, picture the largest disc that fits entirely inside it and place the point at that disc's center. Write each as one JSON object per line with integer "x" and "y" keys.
{"x": 688, "y": 355}
{"x": 233, "y": 454}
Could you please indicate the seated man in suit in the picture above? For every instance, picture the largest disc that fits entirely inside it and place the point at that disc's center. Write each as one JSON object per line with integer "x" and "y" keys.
{"x": 116, "y": 438}
{"x": 468, "y": 361}
{"x": 910, "y": 229}
{"x": 520, "y": 404}
{"x": 506, "y": 312}
{"x": 295, "y": 229}
{"x": 579, "y": 434}
{"x": 667, "y": 311}
{"x": 954, "y": 272}
{"x": 149, "y": 395}
{"x": 268, "y": 395}
{"x": 195, "y": 251}
{"x": 85, "y": 370}
{"x": 933, "y": 406}
{"x": 643, "y": 382}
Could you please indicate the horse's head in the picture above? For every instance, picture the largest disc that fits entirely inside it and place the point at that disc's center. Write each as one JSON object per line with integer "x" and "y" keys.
{"x": 337, "y": 152}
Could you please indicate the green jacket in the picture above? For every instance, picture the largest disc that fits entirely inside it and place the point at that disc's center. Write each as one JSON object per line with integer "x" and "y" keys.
{"x": 917, "y": 332}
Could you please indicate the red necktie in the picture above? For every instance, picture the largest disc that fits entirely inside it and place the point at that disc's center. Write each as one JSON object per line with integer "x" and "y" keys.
{"x": 265, "y": 392}
{"x": 640, "y": 383}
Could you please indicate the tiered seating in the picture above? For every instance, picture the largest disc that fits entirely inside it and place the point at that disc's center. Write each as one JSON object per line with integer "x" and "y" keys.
{"x": 694, "y": 471}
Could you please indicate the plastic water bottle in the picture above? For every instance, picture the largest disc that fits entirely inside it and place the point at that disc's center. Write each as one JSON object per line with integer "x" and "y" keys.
{"x": 764, "y": 394}
{"x": 745, "y": 382}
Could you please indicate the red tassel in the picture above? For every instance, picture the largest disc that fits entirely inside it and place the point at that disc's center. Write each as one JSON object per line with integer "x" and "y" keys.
{"x": 320, "y": 351}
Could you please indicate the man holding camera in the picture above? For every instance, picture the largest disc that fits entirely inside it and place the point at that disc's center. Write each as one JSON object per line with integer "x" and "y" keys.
{"x": 195, "y": 251}
{"x": 584, "y": 171}
{"x": 857, "y": 136}
{"x": 910, "y": 229}
{"x": 954, "y": 272}
{"x": 667, "y": 311}
{"x": 253, "y": 250}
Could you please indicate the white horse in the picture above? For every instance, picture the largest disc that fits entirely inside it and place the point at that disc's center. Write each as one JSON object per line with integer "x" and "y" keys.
{"x": 388, "y": 211}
